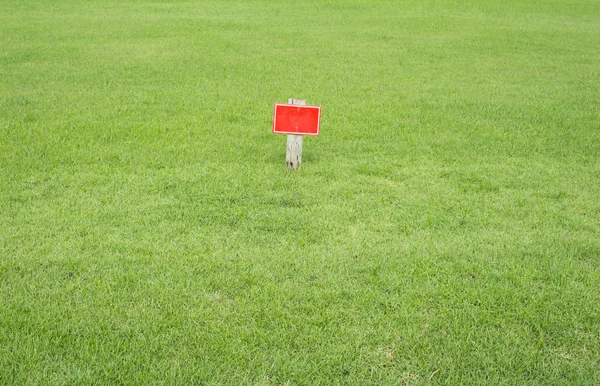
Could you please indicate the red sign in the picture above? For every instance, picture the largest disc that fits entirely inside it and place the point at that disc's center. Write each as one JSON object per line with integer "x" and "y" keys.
{"x": 296, "y": 119}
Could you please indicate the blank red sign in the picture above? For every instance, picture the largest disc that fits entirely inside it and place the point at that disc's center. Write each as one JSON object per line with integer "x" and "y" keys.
{"x": 296, "y": 119}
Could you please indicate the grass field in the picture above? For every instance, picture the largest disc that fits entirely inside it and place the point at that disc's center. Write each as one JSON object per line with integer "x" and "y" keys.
{"x": 443, "y": 229}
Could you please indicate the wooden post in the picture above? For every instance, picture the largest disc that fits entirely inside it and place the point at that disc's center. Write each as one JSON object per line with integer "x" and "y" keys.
{"x": 293, "y": 153}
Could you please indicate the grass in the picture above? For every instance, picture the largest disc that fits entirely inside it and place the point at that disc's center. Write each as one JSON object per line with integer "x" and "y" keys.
{"x": 444, "y": 228}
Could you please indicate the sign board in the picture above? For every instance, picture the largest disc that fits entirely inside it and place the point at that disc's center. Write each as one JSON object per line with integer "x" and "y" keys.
{"x": 296, "y": 119}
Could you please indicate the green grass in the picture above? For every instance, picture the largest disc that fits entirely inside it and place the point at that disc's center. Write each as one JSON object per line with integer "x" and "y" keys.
{"x": 443, "y": 229}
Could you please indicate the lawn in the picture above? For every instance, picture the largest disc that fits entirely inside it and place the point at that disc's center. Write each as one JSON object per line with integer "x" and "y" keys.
{"x": 444, "y": 227}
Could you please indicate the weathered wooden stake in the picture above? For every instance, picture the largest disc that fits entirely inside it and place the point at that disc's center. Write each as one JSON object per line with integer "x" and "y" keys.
{"x": 293, "y": 154}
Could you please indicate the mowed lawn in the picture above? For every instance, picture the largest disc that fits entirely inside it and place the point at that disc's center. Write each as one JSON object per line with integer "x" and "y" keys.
{"x": 444, "y": 227}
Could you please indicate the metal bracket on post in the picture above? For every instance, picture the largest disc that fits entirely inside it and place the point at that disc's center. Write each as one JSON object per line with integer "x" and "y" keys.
{"x": 293, "y": 154}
